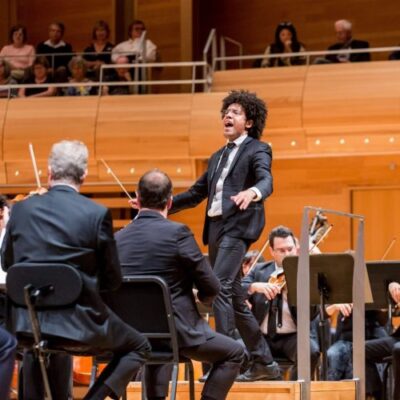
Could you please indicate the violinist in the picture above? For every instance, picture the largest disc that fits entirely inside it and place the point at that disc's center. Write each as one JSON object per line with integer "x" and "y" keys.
{"x": 267, "y": 291}
{"x": 377, "y": 350}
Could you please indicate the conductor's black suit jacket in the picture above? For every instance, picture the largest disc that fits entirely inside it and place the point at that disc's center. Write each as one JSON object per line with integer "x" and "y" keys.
{"x": 250, "y": 167}
{"x": 63, "y": 226}
{"x": 153, "y": 245}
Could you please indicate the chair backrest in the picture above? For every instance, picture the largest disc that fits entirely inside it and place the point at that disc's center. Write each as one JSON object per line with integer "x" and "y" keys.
{"x": 144, "y": 302}
{"x": 63, "y": 283}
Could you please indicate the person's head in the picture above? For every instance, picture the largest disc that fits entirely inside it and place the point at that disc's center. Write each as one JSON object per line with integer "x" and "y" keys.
{"x": 78, "y": 68}
{"x": 56, "y": 32}
{"x": 40, "y": 67}
{"x": 285, "y": 31}
{"x": 343, "y": 30}
{"x": 282, "y": 244}
{"x": 243, "y": 112}
{"x": 136, "y": 28}
{"x": 101, "y": 31}
{"x": 18, "y": 35}
{"x": 5, "y": 69}
{"x": 155, "y": 190}
{"x": 122, "y": 70}
{"x": 67, "y": 163}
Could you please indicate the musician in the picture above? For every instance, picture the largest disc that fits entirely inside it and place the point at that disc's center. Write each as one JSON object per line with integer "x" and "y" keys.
{"x": 236, "y": 183}
{"x": 377, "y": 350}
{"x": 270, "y": 306}
{"x": 62, "y": 226}
{"x": 153, "y": 245}
{"x": 4, "y": 217}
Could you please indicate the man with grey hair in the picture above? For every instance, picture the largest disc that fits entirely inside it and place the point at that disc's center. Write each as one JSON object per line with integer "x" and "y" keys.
{"x": 62, "y": 226}
{"x": 343, "y": 30}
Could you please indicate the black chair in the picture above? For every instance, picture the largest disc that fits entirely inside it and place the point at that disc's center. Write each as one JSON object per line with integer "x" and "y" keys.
{"x": 144, "y": 302}
{"x": 44, "y": 287}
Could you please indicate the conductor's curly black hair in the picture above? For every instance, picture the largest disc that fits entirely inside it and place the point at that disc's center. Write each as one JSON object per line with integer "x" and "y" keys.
{"x": 255, "y": 109}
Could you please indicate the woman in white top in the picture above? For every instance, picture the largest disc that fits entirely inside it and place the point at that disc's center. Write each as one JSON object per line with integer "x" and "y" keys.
{"x": 285, "y": 42}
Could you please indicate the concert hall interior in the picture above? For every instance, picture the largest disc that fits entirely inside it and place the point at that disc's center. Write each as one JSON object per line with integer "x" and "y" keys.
{"x": 331, "y": 142}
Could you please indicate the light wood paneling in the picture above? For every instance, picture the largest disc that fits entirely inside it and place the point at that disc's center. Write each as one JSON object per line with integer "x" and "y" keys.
{"x": 78, "y": 17}
{"x": 143, "y": 127}
{"x": 382, "y": 220}
{"x": 44, "y": 121}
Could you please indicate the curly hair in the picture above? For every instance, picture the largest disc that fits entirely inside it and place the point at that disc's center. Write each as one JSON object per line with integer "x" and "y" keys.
{"x": 254, "y": 108}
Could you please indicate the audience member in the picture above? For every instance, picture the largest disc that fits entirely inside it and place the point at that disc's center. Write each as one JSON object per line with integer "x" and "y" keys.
{"x": 285, "y": 42}
{"x": 19, "y": 54}
{"x": 395, "y": 55}
{"x": 40, "y": 76}
{"x": 78, "y": 69}
{"x": 343, "y": 29}
{"x": 121, "y": 74}
{"x": 269, "y": 299}
{"x": 59, "y": 52}
{"x": 132, "y": 47}
{"x": 6, "y": 79}
{"x": 99, "y": 52}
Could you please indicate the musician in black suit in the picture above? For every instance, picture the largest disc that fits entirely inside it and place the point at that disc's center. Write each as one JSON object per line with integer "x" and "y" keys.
{"x": 63, "y": 226}
{"x": 154, "y": 245}
{"x": 376, "y": 350}
{"x": 343, "y": 29}
{"x": 237, "y": 181}
{"x": 267, "y": 293}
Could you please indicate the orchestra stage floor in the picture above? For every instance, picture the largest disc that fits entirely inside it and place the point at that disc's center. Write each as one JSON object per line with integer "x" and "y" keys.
{"x": 282, "y": 390}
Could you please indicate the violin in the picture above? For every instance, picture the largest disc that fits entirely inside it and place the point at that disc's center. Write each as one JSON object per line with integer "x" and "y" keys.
{"x": 278, "y": 278}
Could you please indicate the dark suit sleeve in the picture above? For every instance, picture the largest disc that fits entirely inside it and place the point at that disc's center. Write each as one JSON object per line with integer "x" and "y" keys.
{"x": 190, "y": 256}
{"x": 193, "y": 196}
{"x": 262, "y": 160}
{"x": 7, "y": 251}
{"x": 248, "y": 280}
{"x": 109, "y": 270}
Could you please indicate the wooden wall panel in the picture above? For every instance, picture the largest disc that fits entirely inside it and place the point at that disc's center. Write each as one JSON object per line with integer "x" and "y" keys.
{"x": 149, "y": 126}
{"x": 253, "y": 22}
{"x": 78, "y": 17}
{"x": 382, "y": 220}
{"x": 44, "y": 121}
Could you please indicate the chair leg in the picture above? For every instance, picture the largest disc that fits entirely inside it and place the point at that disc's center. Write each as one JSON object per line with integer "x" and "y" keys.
{"x": 93, "y": 372}
{"x": 144, "y": 391}
{"x": 42, "y": 363}
{"x": 174, "y": 383}
{"x": 191, "y": 380}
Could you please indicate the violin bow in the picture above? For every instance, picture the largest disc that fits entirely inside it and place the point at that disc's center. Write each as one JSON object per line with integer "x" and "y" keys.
{"x": 259, "y": 255}
{"x": 110, "y": 171}
{"x": 389, "y": 248}
{"x": 35, "y": 168}
{"x": 321, "y": 238}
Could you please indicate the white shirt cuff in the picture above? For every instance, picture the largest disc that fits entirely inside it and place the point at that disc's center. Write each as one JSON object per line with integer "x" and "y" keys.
{"x": 257, "y": 192}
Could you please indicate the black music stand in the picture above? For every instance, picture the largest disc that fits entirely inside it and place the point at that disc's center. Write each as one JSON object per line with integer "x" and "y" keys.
{"x": 331, "y": 281}
{"x": 380, "y": 274}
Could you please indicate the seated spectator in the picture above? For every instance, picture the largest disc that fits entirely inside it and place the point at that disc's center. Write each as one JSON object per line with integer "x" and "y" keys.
{"x": 40, "y": 75}
{"x": 99, "y": 52}
{"x": 19, "y": 54}
{"x": 285, "y": 42}
{"x": 343, "y": 29}
{"x": 395, "y": 55}
{"x": 121, "y": 74}
{"x": 78, "y": 68}
{"x": 6, "y": 79}
{"x": 132, "y": 48}
{"x": 60, "y": 52}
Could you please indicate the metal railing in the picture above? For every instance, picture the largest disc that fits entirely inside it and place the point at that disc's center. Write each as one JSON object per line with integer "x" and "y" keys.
{"x": 222, "y": 48}
{"x": 220, "y": 61}
{"x": 211, "y": 43}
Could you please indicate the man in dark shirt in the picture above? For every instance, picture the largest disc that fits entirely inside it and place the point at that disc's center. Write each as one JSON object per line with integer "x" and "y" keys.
{"x": 343, "y": 29}
{"x": 62, "y": 51}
